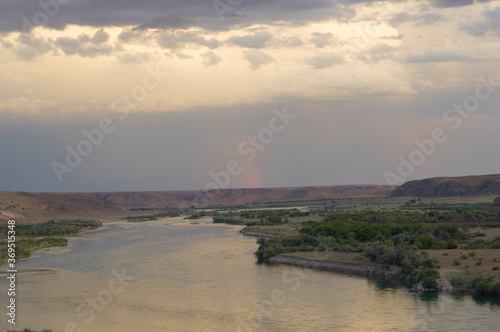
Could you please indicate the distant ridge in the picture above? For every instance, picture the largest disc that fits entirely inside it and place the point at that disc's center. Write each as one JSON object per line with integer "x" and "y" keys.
{"x": 474, "y": 185}
{"x": 158, "y": 199}
{"x": 43, "y": 206}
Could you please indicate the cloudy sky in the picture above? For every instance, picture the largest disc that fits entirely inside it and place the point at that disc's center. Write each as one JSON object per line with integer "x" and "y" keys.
{"x": 108, "y": 95}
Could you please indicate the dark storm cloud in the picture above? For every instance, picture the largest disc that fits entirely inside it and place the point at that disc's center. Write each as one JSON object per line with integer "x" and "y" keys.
{"x": 23, "y": 15}
{"x": 490, "y": 23}
{"x": 166, "y": 22}
{"x": 456, "y": 3}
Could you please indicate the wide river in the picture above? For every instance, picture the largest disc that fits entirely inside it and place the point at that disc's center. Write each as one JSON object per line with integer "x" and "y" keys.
{"x": 171, "y": 275}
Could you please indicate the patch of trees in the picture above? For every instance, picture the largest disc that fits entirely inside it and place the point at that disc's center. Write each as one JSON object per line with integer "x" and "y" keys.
{"x": 156, "y": 216}
{"x": 484, "y": 244}
{"x": 427, "y": 217}
{"x": 260, "y": 217}
{"x": 52, "y": 228}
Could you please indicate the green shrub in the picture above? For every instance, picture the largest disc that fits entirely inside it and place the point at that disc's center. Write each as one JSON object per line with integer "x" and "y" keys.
{"x": 495, "y": 268}
{"x": 456, "y": 262}
{"x": 457, "y": 281}
{"x": 451, "y": 244}
{"x": 477, "y": 280}
{"x": 424, "y": 273}
{"x": 481, "y": 288}
{"x": 425, "y": 241}
{"x": 472, "y": 254}
{"x": 479, "y": 263}
{"x": 429, "y": 283}
{"x": 493, "y": 289}
{"x": 463, "y": 257}
{"x": 440, "y": 245}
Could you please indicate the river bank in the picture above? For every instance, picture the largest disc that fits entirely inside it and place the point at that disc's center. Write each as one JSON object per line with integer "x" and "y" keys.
{"x": 266, "y": 235}
{"x": 356, "y": 263}
{"x": 359, "y": 269}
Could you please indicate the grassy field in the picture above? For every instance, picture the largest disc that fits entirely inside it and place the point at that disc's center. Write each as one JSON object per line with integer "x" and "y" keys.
{"x": 468, "y": 263}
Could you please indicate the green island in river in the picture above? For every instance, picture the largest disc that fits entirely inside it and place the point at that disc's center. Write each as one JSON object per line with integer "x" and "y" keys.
{"x": 446, "y": 245}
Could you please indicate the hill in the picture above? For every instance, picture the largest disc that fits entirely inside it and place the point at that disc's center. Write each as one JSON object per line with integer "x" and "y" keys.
{"x": 159, "y": 199}
{"x": 450, "y": 186}
{"x": 30, "y": 207}
{"x": 23, "y": 206}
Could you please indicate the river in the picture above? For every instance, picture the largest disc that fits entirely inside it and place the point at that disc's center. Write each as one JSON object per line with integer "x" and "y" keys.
{"x": 172, "y": 275}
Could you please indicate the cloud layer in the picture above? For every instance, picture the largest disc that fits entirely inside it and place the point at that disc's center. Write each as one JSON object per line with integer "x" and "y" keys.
{"x": 192, "y": 79}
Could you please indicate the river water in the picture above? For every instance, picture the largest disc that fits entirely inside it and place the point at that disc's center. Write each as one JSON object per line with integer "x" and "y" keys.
{"x": 171, "y": 275}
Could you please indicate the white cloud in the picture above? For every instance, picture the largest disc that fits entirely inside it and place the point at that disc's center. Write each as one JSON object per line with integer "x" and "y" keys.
{"x": 210, "y": 59}
{"x": 23, "y": 104}
{"x": 257, "y": 59}
{"x": 257, "y": 40}
{"x": 321, "y": 61}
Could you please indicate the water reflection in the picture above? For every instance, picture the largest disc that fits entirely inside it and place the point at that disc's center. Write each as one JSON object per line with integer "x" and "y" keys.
{"x": 205, "y": 278}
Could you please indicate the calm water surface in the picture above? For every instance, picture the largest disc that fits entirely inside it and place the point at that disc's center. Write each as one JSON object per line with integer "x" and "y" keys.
{"x": 170, "y": 275}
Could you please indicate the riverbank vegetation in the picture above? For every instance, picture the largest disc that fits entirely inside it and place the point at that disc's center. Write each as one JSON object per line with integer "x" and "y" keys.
{"x": 458, "y": 241}
{"x": 30, "y": 238}
{"x": 25, "y": 246}
{"x": 155, "y": 216}
{"x": 52, "y": 228}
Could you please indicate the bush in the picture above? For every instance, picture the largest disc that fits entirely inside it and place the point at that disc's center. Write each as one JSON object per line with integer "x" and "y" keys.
{"x": 451, "y": 244}
{"x": 456, "y": 262}
{"x": 493, "y": 289}
{"x": 477, "y": 280}
{"x": 463, "y": 257}
{"x": 457, "y": 281}
{"x": 481, "y": 288}
{"x": 472, "y": 254}
{"x": 495, "y": 268}
{"x": 425, "y": 273}
{"x": 425, "y": 241}
{"x": 440, "y": 245}
{"x": 429, "y": 283}
{"x": 479, "y": 263}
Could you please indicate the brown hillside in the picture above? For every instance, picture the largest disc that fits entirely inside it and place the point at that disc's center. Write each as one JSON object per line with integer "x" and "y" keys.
{"x": 30, "y": 206}
{"x": 450, "y": 186}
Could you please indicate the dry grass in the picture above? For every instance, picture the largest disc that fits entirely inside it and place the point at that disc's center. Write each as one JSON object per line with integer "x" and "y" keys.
{"x": 467, "y": 267}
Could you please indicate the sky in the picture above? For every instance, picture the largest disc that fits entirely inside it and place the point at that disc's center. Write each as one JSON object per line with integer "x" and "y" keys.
{"x": 116, "y": 95}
